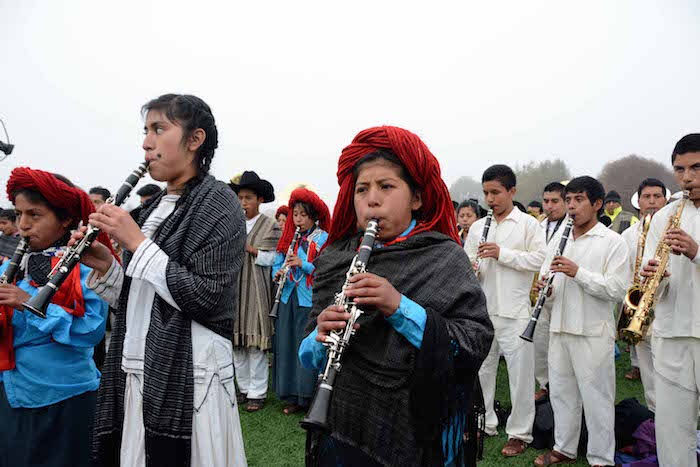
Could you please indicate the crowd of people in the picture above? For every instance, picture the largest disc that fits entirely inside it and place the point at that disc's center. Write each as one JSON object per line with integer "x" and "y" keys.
{"x": 184, "y": 284}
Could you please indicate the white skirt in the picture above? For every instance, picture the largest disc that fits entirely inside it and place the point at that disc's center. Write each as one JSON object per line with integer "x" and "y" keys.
{"x": 216, "y": 427}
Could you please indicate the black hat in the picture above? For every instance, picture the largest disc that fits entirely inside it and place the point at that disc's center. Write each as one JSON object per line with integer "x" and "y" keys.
{"x": 613, "y": 196}
{"x": 149, "y": 190}
{"x": 250, "y": 180}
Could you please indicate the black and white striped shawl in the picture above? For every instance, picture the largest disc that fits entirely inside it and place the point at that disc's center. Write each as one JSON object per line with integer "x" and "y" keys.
{"x": 204, "y": 238}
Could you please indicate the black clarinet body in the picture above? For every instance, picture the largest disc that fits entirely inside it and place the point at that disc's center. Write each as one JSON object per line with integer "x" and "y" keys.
{"x": 8, "y": 277}
{"x": 529, "y": 332}
{"x": 40, "y": 302}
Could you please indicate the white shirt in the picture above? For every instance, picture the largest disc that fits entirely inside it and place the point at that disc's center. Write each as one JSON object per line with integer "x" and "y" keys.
{"x": 678, "y": 298}
{"x": 147, "y": 269}
{"x": 549, "y": 227}
{"x": 508, "y": 280}
{"x": 583, "y": 305}
{"x": 264, "y": 258}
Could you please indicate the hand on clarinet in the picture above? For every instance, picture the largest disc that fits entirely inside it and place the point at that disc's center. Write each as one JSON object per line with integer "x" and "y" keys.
{"x": 293, "y": 261}
{"x": 13, "y": 296}
{"x": 118, "y": 224}
{"x": 278, "y": 275}
{"x": 651, "y": 267}
{"x": 97, "y": 257}
{"x": 370, "y": 289}
{"x": 333, "y": 318}
{"x": 565, "y": 265}
{"x": 541, "y": 284}
{"x": 488, "y": 250}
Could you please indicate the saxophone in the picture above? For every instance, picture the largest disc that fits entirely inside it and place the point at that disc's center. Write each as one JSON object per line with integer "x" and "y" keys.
{"x": 640, "y": 301}
{"x": 635, "y": 290}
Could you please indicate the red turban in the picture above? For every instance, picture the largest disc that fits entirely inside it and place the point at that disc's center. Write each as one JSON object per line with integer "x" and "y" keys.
{"x": 437, "y": 211}
{"x": 58, "y": 194}
{"x": 302, "y": 195}
{"x": 282, "y": 210}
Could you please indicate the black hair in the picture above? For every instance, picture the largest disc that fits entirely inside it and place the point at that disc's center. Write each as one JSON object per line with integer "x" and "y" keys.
{"x": 590, "y": 186}
{"x": 688, "y": 143}
{"x": 189, "y": 112}
{"x": 310, "y": 211}
{"x": 8, "y": 214}
{"x": 149, "y": 190}
{"x": 470, "y": 203}
{"x": 555, "y": 187}
{"x": 98, "y": 190}
{"x": 387, "y": 155}
{"x": 35, "y": 196}
{"x": 651, "y": 182}
{"x": 500, "y": 173}
{"x": 535, "y": 204}
{"x": 520, "y": 206}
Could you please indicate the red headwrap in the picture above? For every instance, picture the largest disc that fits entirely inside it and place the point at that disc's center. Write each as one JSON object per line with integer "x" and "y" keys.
{"x": 58, "y": 194}
{"x": 302, "y": 195}
{"x": 438, "y": 211}
{"x": 282, "y": 210}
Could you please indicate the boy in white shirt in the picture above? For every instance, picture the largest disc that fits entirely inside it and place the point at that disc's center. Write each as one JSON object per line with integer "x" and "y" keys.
{"x": 513, "y": 252}
{"x": 582, "y": 327}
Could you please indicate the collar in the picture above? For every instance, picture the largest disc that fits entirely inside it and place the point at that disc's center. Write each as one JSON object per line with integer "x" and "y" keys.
{"x": 617, "y": 211}
{"x": 411, "y": 226}
{"x": 598, "y": 230}
{"x": 252, "y": 221}
{"x": 515, "y": 215}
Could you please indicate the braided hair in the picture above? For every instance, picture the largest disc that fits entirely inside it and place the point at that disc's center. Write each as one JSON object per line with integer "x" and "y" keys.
{"x": 190, "y": 112}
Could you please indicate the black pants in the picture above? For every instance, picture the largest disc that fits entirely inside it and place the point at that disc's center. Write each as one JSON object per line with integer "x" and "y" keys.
{"x": 57, "y": 435}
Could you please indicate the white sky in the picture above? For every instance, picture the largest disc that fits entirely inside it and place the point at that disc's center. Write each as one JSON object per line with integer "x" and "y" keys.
{"x": 291, "y": 83}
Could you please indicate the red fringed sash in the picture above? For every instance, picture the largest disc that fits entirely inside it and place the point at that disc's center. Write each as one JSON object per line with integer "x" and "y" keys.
{"x": 7, "y": 350}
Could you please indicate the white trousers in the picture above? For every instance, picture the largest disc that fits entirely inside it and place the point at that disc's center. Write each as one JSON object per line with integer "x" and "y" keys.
{"x": 677, "y": 365}
{"x": 217, "y": 440}
{"x": 645, "y": 363}
{"x": 582, "y": 375}
{"x": 252, "y": 372}
{"x": 541, "y": 342}
{"x": 520, "y": 360}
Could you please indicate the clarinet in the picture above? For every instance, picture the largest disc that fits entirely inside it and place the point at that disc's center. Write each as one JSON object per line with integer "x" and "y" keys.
{"x": 8, "y": 277}
{"x": 338, "y": 341}
{"x": 283, "y": 277}
{"x": 482, "y": 240}
{"x": 529, "y": 332}
{"x": 40, "y": 302}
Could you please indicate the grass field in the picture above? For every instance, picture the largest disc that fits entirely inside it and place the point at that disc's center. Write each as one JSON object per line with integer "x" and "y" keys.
{"x": 274, "y": 439}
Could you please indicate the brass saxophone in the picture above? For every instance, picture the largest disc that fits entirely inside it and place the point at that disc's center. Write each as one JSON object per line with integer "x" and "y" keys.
{"x": 635, "y": 290}
{"x": 640, "y": 301}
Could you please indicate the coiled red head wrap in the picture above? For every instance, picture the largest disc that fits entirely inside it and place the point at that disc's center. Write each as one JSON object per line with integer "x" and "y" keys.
{"x": 302, "y": 195}
{"x": 58, "y": 194}
{"x": 438, "y": 211}
{"x": 282, "y": 210}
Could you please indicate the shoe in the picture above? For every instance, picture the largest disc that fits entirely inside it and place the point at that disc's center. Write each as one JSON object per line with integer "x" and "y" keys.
{"x": 552, "y": 458}
{"x": 254, "y": 405}
{"x": 633, "y": 375}
{"x": 514, "y": 447}
{"x": 241, "y": 398}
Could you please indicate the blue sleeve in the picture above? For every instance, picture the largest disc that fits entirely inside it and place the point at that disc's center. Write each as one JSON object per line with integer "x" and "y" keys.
{"x": 311, "y": 352}
{"x": 308, "y": 268}
{"x": 279, "y": 261}
{"x": 85, "y": 331}
{"x": 409, "y": 321}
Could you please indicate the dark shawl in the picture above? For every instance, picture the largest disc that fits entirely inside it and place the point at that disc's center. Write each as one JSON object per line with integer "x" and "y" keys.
{"x": 392, "y": 400}
{"x": 204, "y": 238}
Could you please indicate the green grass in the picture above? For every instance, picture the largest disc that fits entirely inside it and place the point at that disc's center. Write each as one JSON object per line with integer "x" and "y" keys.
{"x": 274, "y": 439}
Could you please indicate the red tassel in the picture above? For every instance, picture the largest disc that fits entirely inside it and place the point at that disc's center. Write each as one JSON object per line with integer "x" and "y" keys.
{"x": 7, "y": 350}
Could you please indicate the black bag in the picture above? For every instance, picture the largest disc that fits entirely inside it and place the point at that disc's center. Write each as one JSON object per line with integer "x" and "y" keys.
{"x": 629, "y": 414}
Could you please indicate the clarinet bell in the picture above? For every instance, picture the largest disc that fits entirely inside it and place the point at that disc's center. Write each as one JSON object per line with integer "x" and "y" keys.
{"x": 273, "y": 312}
{"x": 39, "y": 303}
{"x": 529, "y": 331}
{"x": 317, "y": 417}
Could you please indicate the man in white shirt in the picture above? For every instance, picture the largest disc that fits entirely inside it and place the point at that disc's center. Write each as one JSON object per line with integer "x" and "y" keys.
{"x": 594, "y": 277}
{"x": 652, "y": 197}
{"x": 513, "y": 252}
{"x": 676, "y": 341}
{"x": 555, "y": 209}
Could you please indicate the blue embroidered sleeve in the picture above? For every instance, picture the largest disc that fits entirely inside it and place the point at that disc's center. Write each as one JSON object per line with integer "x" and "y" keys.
{"x": 311, "y": 352}
{"x": 409, "y": 320}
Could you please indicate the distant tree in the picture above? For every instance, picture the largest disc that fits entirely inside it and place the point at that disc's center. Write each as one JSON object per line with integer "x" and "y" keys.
{"x": 534, "y": 176}
{"x": 465, "y": 188}
{"x": 625, "y": 174}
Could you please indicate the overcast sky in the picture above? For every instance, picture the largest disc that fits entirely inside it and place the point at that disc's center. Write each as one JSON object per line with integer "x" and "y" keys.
{"x": 291, "y": 83}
